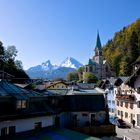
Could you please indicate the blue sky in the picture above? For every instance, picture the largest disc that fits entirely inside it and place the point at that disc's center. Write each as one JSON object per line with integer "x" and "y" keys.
{"x": 55, "y": 29}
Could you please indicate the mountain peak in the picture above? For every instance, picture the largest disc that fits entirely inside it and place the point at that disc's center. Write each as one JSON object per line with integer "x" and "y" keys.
{"x": 71, "y": 62}
{"x": 47, "y": 63}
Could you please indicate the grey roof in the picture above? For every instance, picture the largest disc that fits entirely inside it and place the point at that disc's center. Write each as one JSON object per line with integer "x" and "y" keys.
{"x": 112, "y": 80}
{"x": 9, "y": 89}
{"x": 86, "y": 85}
{"x": 95, "y": 91}
{"x": 124, "y": 78}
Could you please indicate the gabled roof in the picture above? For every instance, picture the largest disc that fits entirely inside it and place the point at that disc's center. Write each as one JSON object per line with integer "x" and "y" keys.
{"x": 55, "y": 83}
{"x": 120, "y": 80}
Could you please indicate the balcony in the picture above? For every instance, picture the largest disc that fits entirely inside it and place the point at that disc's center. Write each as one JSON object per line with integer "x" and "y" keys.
{"x": 125, "y": 97}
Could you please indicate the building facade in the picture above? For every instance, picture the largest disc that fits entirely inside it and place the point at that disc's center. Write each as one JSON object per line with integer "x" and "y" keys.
{"x": 128, "y": 99}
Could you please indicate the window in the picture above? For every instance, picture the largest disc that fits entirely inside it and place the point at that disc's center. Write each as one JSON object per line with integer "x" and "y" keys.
{"x": 131, "y": 105}
{"x": 112, "y": 110}
{"x": 118, "y": 112}
{"x": 138, "y": 104}
{"x": 21, "y": 104}
{"x": 126, "y": 115}
{"x": 113, "y": 102}
{"x": 126, "y": 104}
{"x": 117, "y": 103}
{"x": 8, "y": 130}
{"x": 121, "y": 113}
{"x": 109, "y": 101}
{"x": 121, "y": 104}
{"x": 4, "y": 131}
{"x": 38, "y": 125}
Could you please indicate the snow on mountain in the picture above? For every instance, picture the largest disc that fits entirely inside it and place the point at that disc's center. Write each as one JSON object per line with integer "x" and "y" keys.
{"x": 47, "y": 70}
{"x": 48, "y": 66}
{"x": 70, "y": 62}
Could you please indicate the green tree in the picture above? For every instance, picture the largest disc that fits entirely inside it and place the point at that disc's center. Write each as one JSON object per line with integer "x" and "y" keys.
{"x": 59, "y": 79}
{"x": 124, "y": 49}
{"x": 18, "y": 64}
{"x": 72, "y": 76}
{"x": 11, "y": 52}
{"x": 90, "y": 78}
{"x": 80, "y": 73}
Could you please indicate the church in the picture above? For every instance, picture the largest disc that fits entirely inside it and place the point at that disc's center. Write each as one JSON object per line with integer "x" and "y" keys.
{"x": 97, "y": 65}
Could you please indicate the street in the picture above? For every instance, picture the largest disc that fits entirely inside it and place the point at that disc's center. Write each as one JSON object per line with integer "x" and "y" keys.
{"x": 132, "y": 134}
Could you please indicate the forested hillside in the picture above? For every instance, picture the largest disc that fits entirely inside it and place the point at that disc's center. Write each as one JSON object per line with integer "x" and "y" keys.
{"x": 124, "y": 49}
{"x": 9, "y": 64}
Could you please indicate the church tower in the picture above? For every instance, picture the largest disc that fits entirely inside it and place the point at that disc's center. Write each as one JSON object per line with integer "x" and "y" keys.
{"x": 98, "y": 58}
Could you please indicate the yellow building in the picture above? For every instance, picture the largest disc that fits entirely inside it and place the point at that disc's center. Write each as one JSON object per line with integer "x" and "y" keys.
{"x": 57, "y": 85}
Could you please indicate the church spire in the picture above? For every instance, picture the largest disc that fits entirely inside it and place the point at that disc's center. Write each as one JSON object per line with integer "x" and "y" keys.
{"x": 98, "y": 42}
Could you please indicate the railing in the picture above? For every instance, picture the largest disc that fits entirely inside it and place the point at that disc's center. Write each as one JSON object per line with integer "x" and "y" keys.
{"x": 125, "y": 97}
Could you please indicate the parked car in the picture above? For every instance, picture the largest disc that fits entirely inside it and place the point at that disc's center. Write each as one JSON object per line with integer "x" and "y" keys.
{"x": 119, "y": 122}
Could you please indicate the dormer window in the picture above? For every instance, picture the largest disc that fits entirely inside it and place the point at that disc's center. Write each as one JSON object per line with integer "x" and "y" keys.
{"x": 21, "y": 104}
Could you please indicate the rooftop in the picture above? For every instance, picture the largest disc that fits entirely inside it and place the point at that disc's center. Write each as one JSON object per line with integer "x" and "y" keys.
{"x": 9, "y": 89}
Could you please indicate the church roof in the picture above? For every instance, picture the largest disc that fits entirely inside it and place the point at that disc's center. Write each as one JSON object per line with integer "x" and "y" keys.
{"x": 98, "y": 42}
{"x": 91, "y": 62}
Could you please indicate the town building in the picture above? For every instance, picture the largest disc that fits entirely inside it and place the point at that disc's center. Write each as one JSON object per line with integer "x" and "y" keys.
{"x": 97, "y": 65}
{"x": 24, "y": 110}
{"x": 109, "y": 88}
{"x": 128, "y": 99}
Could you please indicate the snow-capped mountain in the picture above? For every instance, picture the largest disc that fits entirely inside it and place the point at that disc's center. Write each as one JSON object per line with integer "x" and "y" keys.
{"x": 50, "y": 71}
{"x": 45, "y": 66}
{"x": 70, "y": 62}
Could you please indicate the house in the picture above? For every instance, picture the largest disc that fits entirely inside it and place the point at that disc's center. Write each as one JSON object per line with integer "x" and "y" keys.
{"x": 109, "y": 88}
{"x": 128, "y": 98}
{"x": 131, "y": 89}
{"x": 57, "y": 85}
{"x": 97, "y": 65}
{"x": 83, "y": 110}
{"x": 22, "y": 110}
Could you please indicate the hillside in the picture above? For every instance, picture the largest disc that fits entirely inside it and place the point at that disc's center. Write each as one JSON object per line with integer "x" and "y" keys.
{"x": 124, "y": 49}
